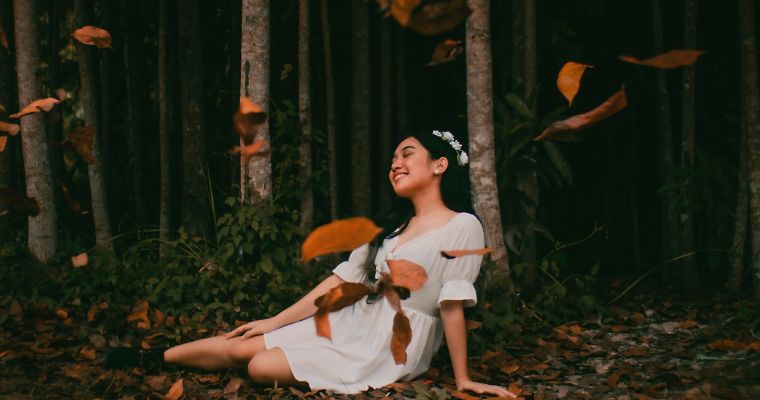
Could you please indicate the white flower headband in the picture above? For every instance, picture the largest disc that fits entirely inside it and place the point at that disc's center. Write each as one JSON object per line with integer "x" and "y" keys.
{"x": 447, "y": 136}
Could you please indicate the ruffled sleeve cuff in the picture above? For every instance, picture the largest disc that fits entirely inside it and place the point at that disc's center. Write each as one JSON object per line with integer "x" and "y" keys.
{"x": 349, "y": 272}
{"x": 458, "y": 290}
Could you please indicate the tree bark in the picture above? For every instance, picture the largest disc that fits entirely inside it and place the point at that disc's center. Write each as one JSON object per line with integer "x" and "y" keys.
{"x": 332, "y": 166}
{"x": 164, "y": 122}
{"x": 42, "y": 240}
{"x": 88, "y": 94}
{"x": 669, "y": 228}
{"x": 481, "y": 130}
{"x": 360, "y": 117}
{"x": 256, "y": 176}
{"x": 386, "y": 115}
{"x": 689, "y": 275}
{"x": 304, "y": 114}
{"x": 134, "y": 58}
{"x": 195, "y": 200}
{"x": 751, "y": 96}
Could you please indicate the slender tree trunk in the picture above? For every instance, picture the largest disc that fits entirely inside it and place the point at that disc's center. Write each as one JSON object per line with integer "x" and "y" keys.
{"x": 164, "y": 122}
{"x": 6, "y": 88}
{"x": 304, "y": 113}
{"x": 386, "y": 121}
{"x": 518, "y": 46}
{"x": 751, "y": 96}
{"x": 481, "y": 129}
{"x": 256, "y": 176}
{"x": 528, "y": 182}
{"x": 42, "y": 239}
{"x": 195, "y": 199}
{"x": 135, "y": 61}
{"x": 332, "y": 166}
{"x": 689, "y": 275}
{"x": 88, "y": 94}
{"x": 742, "y": 211}
{"x": 54, "y": 122}
{"x": 669, "y": 229}
{"x": 360, "y": 117}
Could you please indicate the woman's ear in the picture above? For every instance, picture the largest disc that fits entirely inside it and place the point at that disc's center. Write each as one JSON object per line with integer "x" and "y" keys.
{"x": 441, "y": 164}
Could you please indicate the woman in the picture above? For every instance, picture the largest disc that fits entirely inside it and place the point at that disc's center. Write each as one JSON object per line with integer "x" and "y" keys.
{"x": 433, "y": 212}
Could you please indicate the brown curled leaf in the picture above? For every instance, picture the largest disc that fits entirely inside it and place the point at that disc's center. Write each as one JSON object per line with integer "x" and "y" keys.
{"x": 565, "y": 129}
{"x": 339, "y": 297}
{"x": 460, "y": 253}
{"x": 93, "y": 36}
{"x": 402, "y": 336}
{"x": 407, "y": 274}
{"x": 80, "y": 140}
{"x": 446, "y": 51}
{"x": 37, "y": 106}
{"x": 569, "y": 79}
{"x": 668, "y": 60}
{"x": 11, "y": 129}
{"x": 341, "y": 235}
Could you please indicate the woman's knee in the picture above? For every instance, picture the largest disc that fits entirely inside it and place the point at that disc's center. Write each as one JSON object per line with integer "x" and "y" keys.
{"x": 257, "y": 369}
{"x": 242, "y": 351}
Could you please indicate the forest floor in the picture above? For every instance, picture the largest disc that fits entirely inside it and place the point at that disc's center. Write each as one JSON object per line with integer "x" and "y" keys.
{"x": 644, "y": 349}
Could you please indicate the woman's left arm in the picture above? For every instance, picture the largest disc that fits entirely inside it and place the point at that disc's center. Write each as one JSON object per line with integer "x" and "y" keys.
{"x": 452, "y": 314}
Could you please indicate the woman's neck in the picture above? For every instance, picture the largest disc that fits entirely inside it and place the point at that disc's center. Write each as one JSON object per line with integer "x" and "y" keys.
{"x": 428, "y": 204}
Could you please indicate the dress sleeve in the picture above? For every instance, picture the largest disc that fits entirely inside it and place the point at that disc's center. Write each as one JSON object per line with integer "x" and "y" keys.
{"x": 352, "y": 270}
{"x": 460, "y": 273}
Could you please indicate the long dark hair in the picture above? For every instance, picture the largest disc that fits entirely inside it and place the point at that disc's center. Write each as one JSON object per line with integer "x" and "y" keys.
{"x": 455, "y": 193}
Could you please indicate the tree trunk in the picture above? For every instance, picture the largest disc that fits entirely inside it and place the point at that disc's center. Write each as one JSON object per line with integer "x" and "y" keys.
{"x": 751, "y": 96}
{"x": 256, "y": 176}
{"x": 42, "y": 239}
{"x": 164, "y": 125}
{"x": 742, "y": 210}
{"x": 689, "y": 275}
{"x": 481, "y": 129}
{"x": 669, "y": 228}
{"x": 360, "y": 117}
{"x": 88, "y": 93}
{"x": 134, "y": 58}
{"x": 386, "y": 115}
{"x": 195, "y": 199}
{"x": 332, "y": 166}
{"x": 304, "y": 114}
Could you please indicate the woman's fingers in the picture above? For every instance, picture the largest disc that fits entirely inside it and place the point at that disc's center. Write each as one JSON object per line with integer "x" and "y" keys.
{"x": 240, "y": 329}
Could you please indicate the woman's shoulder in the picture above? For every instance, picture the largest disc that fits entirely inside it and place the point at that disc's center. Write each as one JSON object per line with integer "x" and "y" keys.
{"x": 468, "y": 220}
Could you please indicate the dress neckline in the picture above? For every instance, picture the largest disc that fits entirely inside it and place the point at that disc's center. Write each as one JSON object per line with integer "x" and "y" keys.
{"x": 396, "y": 247}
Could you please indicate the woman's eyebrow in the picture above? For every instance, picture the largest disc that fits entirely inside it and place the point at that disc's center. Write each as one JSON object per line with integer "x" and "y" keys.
{"x": 405, "y": 147}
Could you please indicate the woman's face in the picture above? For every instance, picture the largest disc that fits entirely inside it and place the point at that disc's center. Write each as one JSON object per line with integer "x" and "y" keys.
{"x": 412, "y": 170}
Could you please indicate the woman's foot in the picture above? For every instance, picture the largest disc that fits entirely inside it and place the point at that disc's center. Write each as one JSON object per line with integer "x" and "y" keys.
{"x": 129, "y": 357}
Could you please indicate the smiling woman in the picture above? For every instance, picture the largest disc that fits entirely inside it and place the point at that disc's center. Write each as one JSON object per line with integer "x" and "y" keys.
{"x": 431, "y": 213}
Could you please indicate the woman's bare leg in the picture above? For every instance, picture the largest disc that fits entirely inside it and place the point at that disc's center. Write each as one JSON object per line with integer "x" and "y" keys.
{"x": 271, "y": 365}
{"x": 216, "y": 353}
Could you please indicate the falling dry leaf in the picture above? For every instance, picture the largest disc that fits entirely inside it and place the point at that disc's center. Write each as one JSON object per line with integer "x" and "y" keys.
{"x": 247, "y": 119}
{"x": 407, "y": 274}
{"x": 140, "y": 314}
{"x": 79, "y": 261}
{"x": 248, "y": 151}
{"x": 175, "y": 392}
{"x": 402, "y": 336}
{"x": 402, "y": 10}
{"x": 93, "y": 36}
{"x": 3, "y": 143}
{"x": 569, "y": 79}
{"x": 18, "y": 202}
{"x": 80, "y": 140}
{"x": 471, "y": 325}
{"x": 430, "y": 18}
{"x": 668, "y": 60}
{"x": 37, "y": 106}
{"x": 341, "y": 296}
{"x": 564, "y": 130}
{"x": 342, "y": 235}
{"x": 11, "y": 129}
{"x": 460, "y": 253}
{"x": 446, "y": 51}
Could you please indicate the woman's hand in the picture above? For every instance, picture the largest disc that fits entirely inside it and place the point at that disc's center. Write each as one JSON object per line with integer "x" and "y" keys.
{"x": 253, "y": 328}
{"x": 481, "y": 388}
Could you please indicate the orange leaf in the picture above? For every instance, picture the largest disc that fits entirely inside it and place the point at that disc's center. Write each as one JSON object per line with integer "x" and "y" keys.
{"x": 87, "y": 352}
{"x": 437, "y": 17}
{"x": 563, "y": 130}
{"x": 510, "y": 369}
{"x": 12, "y": 129}
{"x": 80, "y": 140}
{"x": 37, "y": 106}
{"x": 93, "y": 36}
{"x": 402, "y": 336}
{"x": 460, "y": 253}
{"x": 79, "y": 261}
{"x": 341, "y": 296}
{"x": 569, "y": 79}
{"x": 233, "y": 385}
{"x": 93, "y": 311}
{"x": 140, "y": 314}
{"x": 18, "y": 202}
{"x": 61, "y": 313}
{"x": 248, "y": 151}
{"x": 471, "y": 325}
{"x": 3, "y": 143}
{"x": 668, "y": 60}
{"x": 175, "y": 392}
{"x": 446, "y": 51}
{"x": 514, "y": 388}
{"x": 342, "y": 235}
{"x": 407, "y": 274}
{"x": 247, "y": 119}
{"x": 402, "y": 10}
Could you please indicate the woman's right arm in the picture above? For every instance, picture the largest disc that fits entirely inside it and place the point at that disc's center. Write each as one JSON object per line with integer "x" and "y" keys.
{"x": 301, "y": 309}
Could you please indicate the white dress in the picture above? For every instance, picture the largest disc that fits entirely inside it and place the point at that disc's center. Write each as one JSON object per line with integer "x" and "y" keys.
{"x": 359, "y": 355}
